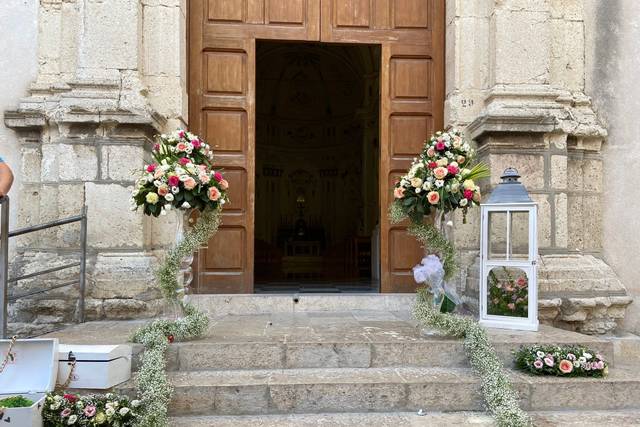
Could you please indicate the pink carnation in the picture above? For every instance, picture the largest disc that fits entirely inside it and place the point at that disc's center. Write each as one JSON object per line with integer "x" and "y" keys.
{"x": 217, "y": 176}
{"x": 181, "y": 134}
{"x": 468, "y": 194}
{"x": 184, "y": 161}
{"x": 440, "y": 146}
{"x": 196, "y": 143}
{"x": 453, "y": 169}
{"x": 151, "y": 168}
{"x": 156, "y": 147}
{"x": 173, "y": 181}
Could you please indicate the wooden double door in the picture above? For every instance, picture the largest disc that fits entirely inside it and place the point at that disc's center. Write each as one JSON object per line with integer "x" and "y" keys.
{"x": 222, "y": 63}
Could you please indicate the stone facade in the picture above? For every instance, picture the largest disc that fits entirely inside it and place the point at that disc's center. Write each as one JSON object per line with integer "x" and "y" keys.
{"x": 113, "y": 73}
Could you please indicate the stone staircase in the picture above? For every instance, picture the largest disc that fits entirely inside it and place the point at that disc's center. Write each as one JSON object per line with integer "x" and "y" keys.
{"x": 345, "y": 366}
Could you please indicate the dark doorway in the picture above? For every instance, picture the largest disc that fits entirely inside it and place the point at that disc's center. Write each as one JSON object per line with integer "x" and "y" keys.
{"x": 317, "y": 161}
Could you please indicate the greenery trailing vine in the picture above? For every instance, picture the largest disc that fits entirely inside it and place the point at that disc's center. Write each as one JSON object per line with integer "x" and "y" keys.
{"x": 153, "y": 386}
{"x": 500, "y": 397}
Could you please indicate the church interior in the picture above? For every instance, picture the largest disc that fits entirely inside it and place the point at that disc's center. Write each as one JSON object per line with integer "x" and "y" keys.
{"x": 317, "y": 206}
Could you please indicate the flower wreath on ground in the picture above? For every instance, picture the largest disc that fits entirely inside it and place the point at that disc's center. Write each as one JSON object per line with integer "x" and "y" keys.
{"x": 441, "y": 180}
{"x": 562, "y": 361}
{"x": 92, "y": 410}
{"x": 180, "y": 177}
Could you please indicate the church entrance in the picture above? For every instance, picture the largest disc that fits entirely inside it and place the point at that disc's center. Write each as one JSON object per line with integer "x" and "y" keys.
{"x": 286, "y": 92}
{"x": 317, "y": 154}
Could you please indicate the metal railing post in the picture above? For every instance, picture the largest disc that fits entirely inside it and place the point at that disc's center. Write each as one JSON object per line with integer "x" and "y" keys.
{"x": 83, "y": 261}
{"x": 4, "y": 265}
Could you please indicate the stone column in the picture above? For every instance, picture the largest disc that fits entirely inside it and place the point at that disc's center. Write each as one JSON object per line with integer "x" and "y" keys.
{"x": 86, "y": 125}
{"x": 528, "y": 110}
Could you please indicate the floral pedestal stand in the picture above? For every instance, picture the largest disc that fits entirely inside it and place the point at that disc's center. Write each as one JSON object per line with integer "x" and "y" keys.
{"x": 185, "y": 273}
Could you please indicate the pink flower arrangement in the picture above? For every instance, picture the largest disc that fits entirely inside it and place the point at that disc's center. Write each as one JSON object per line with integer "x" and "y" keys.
{"x": 181, "y": 177}
{"x": 560, "y": 361}
{"x": 446, "y": 167}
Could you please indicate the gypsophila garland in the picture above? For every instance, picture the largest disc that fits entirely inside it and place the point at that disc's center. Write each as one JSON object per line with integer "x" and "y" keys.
{"x": 154, "y": 389}
{"x": 205, "y": 227}
{"x": 500, "y": 397}
{"x": 429, "y": 236}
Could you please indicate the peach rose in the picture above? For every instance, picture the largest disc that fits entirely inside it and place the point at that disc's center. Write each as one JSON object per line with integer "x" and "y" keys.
{"x": 440, "y": 173}
{"x": 461, "y": 160}
{"x": 565, "y": 366}
{"x": 214, "y": 194}
{"x": 433, "y": 197}
{"x": 431, "y": 152}
{"x": 204, "y": 178}
{"x": 477, "y": 196}
{"x": 189, "y": 183}
{"x": 398, "y": 192}
{"x": 163, "y": 190}
{"x": 224, "y": 184}
{"x": 158, "y": 174}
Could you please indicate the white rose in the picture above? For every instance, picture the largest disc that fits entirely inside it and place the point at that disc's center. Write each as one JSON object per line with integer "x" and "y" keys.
{"x": 426, "y": 186}
{"x": 72, "y": 419}
{"x": 157, "y": 183}
{"x": 169, "y": 197}
{"x": 587, "y": 355}
{"x": 124, "y": 411}
{"x": 463, "y": 202}
{"x": 416, "y": 182}
{"x": 185, "y": 205}
{"x": 135, "y": 403}
{"x": 55, "y": 406}
{"x": 110, "y": 411}
{"x": 582, "y": 360}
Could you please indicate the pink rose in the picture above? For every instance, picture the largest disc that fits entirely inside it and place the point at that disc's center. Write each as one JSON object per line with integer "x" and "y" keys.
{"x": 173, "y": 181}
{"x": 453, "y": 169}
{"x": 181, "y": 134}
{"x": 190, "y": 183}
{"x": 440, "y": 173}
{"x": 204, "y": 178}
{"x": 461, "y": 160}
{"x": 468, "y": 194}
{"x": 217, "y": 176}
{"x": 214, "y": 194}
{"x": 521, "y": 282}
{"x": 65, "y": 412}
{"x": 181, "y": 146}
{"x": 565, "y": 366}
{"x": 90, "y": 411}
{"x": 440, "y": 146}
{"x": 431, "y": 152}
{"x": 184, "y": 161}
{"x": 196, "y": 143}
{"x": 398, "y": 192}
{"x": 433, "y": 197}
{"x": 548, "y": 361}
{"x": 163, "y": 190}
{"x": 224, "y": 184}
{"x": 538, "y": 364}
{"x": 151, "y": 168}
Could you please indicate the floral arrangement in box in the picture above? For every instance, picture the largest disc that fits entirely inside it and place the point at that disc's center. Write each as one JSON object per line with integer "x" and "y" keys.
{"x": 566, "y": 361}
{"x": 181, "y": 176}
{"x": 508, "y": 296}
{"x": 91, "y": 410}
{"x": 443, "y": 178}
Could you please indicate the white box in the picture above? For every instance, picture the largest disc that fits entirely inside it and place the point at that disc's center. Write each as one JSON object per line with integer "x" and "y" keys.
{"x": 31, "y": 374}
{"x": 97, "y": 366}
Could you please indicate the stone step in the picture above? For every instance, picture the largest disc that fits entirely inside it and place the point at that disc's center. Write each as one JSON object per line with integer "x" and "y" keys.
{"x": 329, "y": 390}
{"x": 216, "y": 305}
{"x": 410, "y": 419}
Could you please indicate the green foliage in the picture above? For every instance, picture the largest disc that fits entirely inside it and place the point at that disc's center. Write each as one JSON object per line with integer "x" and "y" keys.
{"x": 15, "y": 402}
{"x": 500, "y": 397}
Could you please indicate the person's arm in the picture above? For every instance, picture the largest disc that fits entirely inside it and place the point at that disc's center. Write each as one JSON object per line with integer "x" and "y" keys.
{"x": 6, "y": 179}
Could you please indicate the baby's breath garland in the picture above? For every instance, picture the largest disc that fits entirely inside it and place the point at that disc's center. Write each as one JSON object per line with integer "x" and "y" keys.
{"x": 500, "y": 397}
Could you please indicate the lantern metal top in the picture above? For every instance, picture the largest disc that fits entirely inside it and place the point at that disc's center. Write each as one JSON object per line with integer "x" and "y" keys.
{"x": 510, "y": 190}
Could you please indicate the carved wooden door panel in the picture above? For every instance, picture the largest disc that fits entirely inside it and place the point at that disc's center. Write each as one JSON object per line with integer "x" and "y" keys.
{"x": 411, "y": 33}
{"x": 222, "y": 43}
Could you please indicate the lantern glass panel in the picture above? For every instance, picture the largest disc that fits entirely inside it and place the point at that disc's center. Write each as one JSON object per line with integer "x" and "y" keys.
{"x": 519, "y": 235}
{"x": 508, "y": 289}
{"x": 497, "y": 236}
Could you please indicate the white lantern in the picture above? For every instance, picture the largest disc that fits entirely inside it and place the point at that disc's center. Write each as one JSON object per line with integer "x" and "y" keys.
{"x": 508, "y": 253}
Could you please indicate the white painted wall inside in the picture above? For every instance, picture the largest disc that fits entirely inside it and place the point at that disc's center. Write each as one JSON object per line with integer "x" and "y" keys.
{"x": 18, "y": 68}
{"x": 612, "y": 56}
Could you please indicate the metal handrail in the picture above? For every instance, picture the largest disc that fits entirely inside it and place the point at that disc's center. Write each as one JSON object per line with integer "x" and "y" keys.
{"x": 5, "y": 234}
